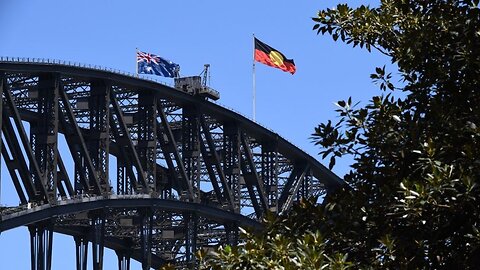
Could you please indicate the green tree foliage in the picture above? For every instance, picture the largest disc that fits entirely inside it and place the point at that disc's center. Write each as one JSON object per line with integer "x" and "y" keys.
{"x": 412, "y": 195}
{"x": 287, "y": 243}
{"x": 413, "y": 201}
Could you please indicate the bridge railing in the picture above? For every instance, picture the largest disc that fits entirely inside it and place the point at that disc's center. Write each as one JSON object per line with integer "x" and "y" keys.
{"x": 47, "y": 61}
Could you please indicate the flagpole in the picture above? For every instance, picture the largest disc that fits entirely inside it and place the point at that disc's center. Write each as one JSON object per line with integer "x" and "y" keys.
{"x": 254, "y": 85}
{"x": 136, "y": 63}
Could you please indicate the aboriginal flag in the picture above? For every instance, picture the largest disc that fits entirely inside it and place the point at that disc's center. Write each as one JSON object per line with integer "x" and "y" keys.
{"x": 271, "y": 57}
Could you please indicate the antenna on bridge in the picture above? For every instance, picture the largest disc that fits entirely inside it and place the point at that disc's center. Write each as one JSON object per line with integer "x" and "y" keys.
{"x": 198, "y": 85}
{"x": 206, "y": 75}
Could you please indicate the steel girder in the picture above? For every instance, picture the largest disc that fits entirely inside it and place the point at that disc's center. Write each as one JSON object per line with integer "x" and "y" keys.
{"x": 137, "y": 219}
{"x": 291, "y": 188}
{"x": 98, "y": 140}
{"x": 41, "y": 245}
{"x": 214, "y": 167}
{"x": 125, "y": 141}
{"x": 167, "y": 145}
{"x": 231, "y": 161}
{"x": 170, "y": 147}
{"x": 15, "y": 162}
{"x": 35, "y": 176}
{"x": 86, "y": 178}
{"x": 64, "y": 185}
{"x": 270, "y": 172}
{"x": 252, "y": 180}
{"x": 81, "y": 252}
{"x": 147, "y": 136}
{"x": 44, "y": 133}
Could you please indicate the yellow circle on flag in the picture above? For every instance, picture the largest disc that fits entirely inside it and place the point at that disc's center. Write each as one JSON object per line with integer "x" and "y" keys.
{"x": 276, "y": 58}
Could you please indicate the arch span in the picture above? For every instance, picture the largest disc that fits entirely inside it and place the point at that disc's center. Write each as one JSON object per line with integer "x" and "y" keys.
{"x": 151, "y": 171}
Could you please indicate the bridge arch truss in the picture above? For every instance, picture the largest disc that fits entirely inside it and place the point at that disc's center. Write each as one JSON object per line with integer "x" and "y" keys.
{"x": 147, "y": 170}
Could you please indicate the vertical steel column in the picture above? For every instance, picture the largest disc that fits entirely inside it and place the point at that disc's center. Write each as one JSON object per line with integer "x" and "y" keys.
{"x": 123, "y": 260}
{"x": 191, "y": 147}
{"x": 231, "y": 160}
{"x": 191, "y": 222}
{"x": 99, "y": 136}
{"x": 270, "y": 174}
{"x": 167, "y": 147}
{"x": 306, "y": 190}
{"x": 146, "y": 228}
{"x": 98, "y": 230}
{"x": 124, "y": 181}
{"x": 127, "y": 147}
{"x": 44, "y": 133}
{"x": 147, "y": 136}
{"x": 41, "y": 241}
{"x": 81, "y": 252}
{"x": 79, "y": 174}
{"x": 231, "y": 231}
{"x": 121, "y": 181}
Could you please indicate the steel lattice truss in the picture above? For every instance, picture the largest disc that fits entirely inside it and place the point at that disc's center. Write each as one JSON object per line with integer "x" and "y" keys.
{"x": 149, "y": 171}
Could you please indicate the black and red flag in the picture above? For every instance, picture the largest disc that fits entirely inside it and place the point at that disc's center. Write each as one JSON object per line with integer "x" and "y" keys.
{"x": 271, "y": 57}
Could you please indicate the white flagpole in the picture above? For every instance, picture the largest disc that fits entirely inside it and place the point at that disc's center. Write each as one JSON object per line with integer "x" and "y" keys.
{"x": 254, "y": 86}
{"x": 136, "y": 63}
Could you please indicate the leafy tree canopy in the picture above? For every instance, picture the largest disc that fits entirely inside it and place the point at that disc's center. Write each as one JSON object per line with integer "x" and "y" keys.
{"x": 412, "y": 195}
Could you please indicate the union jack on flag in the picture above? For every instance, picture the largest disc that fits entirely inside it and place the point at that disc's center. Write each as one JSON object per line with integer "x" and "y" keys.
{"x": 148, "y": 63}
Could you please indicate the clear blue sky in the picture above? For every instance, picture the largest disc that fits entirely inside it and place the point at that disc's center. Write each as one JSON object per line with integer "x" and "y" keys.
{"x": 192, "y": 33}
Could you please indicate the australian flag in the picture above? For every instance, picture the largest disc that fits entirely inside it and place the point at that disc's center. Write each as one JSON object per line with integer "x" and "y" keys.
{"x": 148, "y": 63}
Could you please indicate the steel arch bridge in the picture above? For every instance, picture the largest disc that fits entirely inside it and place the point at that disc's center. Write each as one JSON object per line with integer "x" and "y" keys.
{"x": 148, "y": 170}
